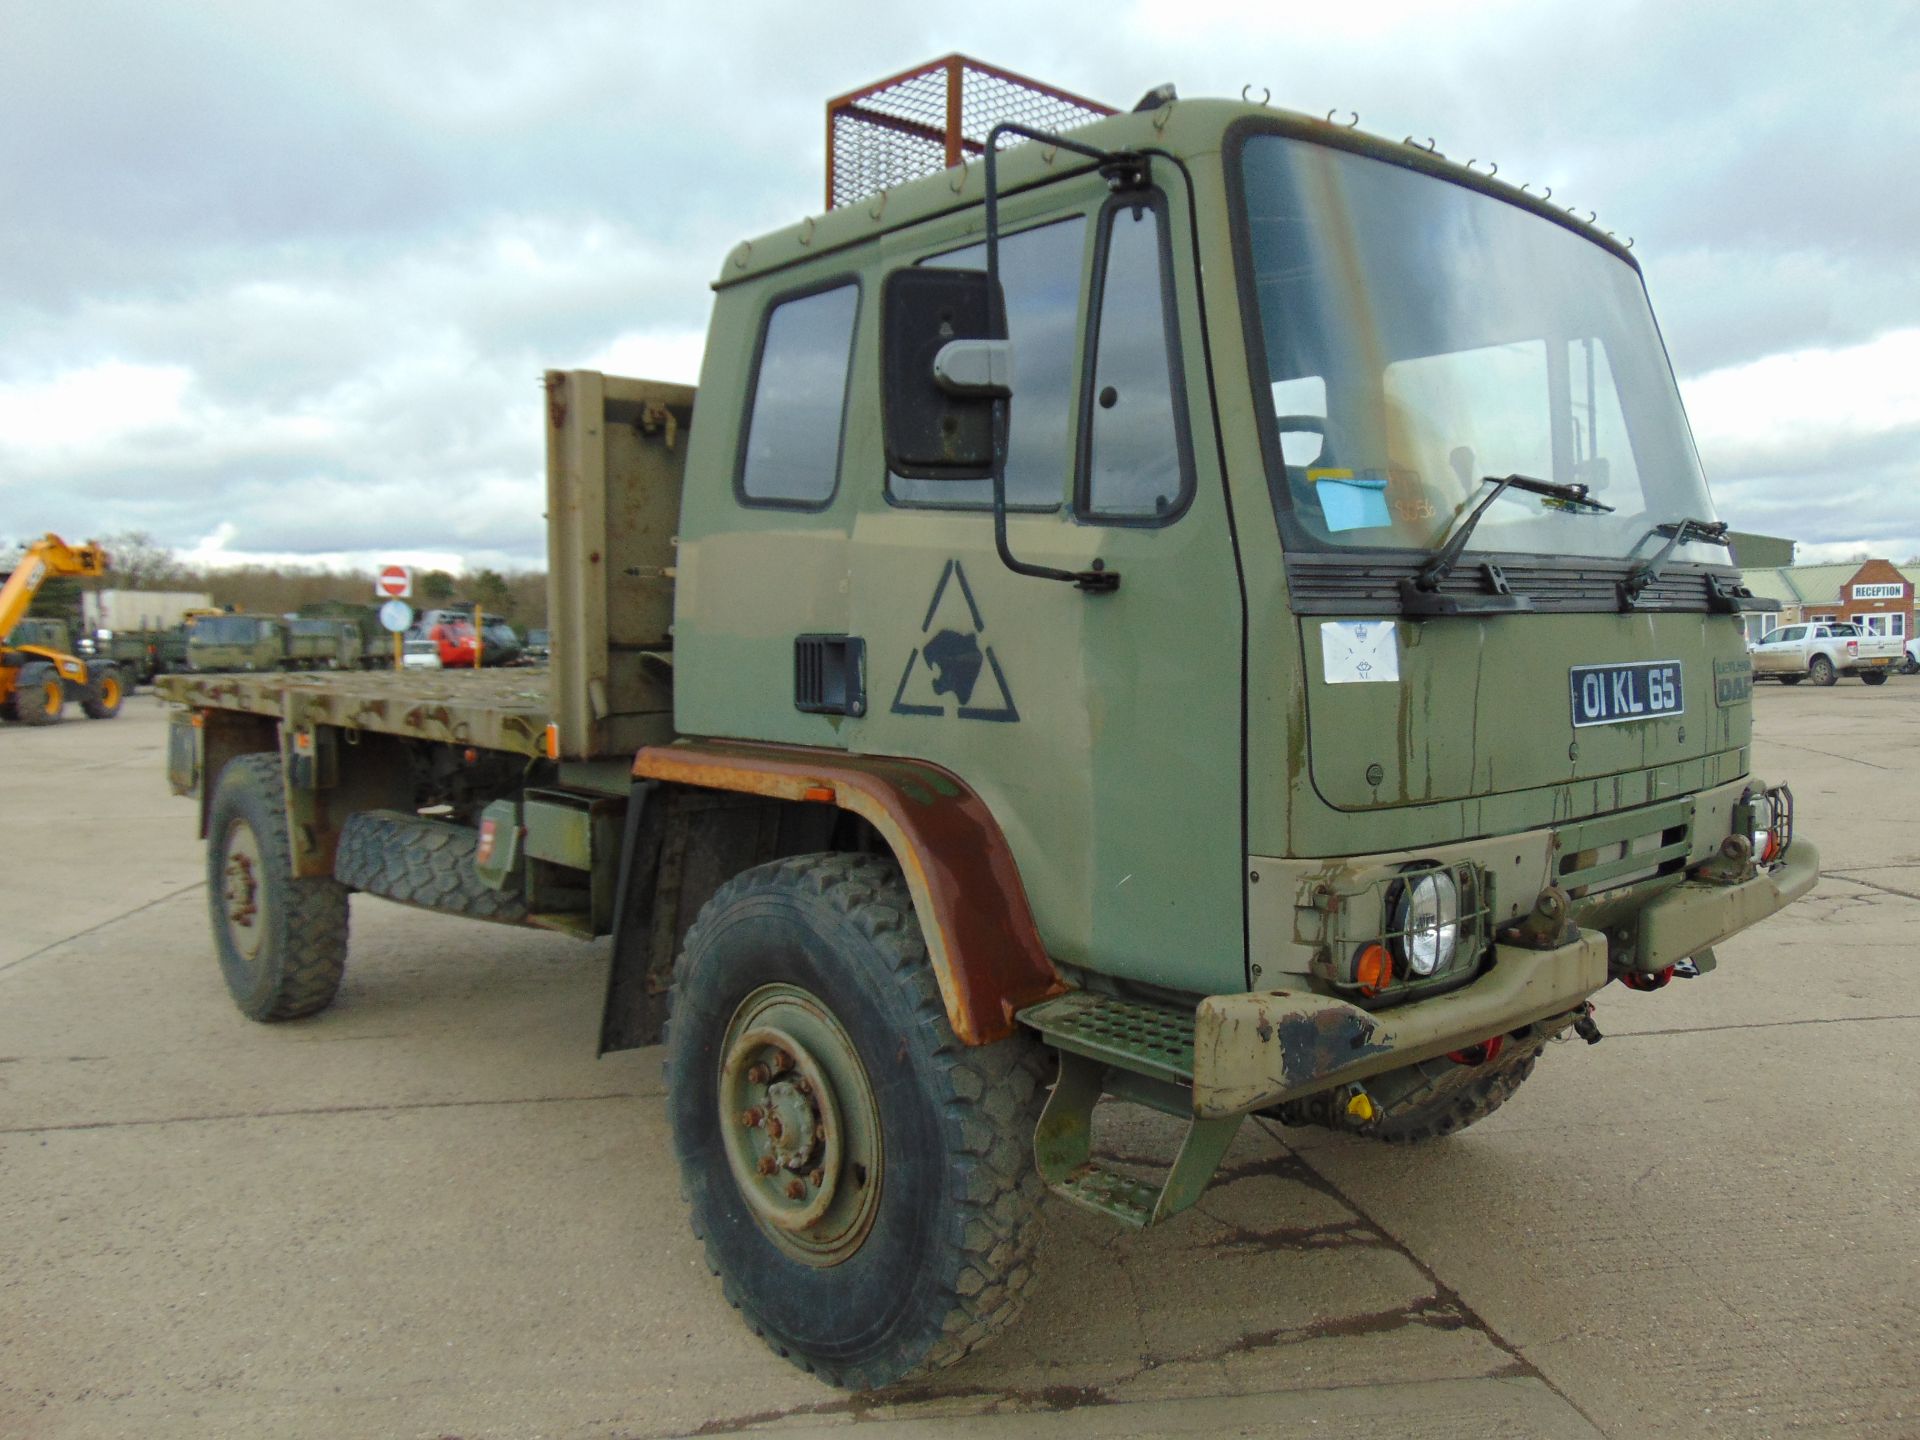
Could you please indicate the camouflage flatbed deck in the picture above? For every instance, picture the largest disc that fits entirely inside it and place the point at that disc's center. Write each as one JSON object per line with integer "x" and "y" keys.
{"x": 504, "y": 709}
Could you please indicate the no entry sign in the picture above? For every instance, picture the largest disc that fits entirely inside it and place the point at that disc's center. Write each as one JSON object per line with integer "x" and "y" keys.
{"x": 394, "y": 582}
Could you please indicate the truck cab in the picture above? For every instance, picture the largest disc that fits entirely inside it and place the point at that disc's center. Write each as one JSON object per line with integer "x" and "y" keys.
{"x": 1261, "y": 389}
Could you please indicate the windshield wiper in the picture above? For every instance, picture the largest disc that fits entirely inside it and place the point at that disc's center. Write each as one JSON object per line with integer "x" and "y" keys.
{"x": 1678, "y": 532}
{"x": 1420, "y": 593}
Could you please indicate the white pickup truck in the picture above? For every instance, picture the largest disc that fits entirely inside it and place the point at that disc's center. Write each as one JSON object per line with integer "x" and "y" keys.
{"x": 1823, "y": 650}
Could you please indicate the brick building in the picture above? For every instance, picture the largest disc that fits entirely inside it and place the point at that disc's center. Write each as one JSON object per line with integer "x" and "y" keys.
{"x": 1873, "y": 594}
{"x": 1876, "y": 597}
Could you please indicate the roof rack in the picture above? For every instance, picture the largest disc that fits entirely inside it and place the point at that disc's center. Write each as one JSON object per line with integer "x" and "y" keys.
{"x": 931, "y": 118}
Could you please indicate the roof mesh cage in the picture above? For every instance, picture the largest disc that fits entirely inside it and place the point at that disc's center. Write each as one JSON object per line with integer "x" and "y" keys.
{"x": 930, "y": 119}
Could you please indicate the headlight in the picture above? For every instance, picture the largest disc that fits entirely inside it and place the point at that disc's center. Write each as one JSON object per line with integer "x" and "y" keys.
{"x": 1760, "y": 813}
{"x": 1425, "y": 921}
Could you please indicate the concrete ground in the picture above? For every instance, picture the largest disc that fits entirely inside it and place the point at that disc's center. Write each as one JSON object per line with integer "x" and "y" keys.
{"x": 431, "y": 1212}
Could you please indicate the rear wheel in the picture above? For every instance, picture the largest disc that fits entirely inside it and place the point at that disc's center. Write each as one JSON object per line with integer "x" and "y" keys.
{"x": 1873, "y": 677}
{"x": 281, "y": 939}
{"x": 1791, "y": 679}
{"x": 864, "y": 1183}
{"x": 105, "y": 691}
{"x": 38, "y": 694}
{"x": 1822, "y": 671}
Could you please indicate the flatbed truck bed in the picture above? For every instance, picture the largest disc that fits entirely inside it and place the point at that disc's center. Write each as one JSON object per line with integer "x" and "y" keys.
{"x": 504, "y": 709}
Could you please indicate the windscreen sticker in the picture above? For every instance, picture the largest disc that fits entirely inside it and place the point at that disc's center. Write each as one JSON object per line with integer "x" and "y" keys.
{"x": 1350, "y": 500}
{"x": 1359, "y": 652}
{"x": 953, "y": 670}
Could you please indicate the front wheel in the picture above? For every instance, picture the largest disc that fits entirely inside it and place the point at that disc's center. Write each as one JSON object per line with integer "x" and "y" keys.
{"x": 105, "y": 691}
{"x": 863, "y": 1182}
{"x": 1822, "y": 671}
{"x": 38, "y": 694}
{"x": 281, "y": 938}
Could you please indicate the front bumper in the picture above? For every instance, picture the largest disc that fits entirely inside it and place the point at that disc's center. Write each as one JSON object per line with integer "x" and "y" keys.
{"x": 1255, "y": 1050}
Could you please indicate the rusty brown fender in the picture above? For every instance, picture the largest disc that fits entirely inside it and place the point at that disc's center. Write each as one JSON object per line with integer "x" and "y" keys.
{"x": 981, "y": 938}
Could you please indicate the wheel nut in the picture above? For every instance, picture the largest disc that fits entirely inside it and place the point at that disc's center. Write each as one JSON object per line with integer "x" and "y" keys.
{"x": 773, "y": 1126}
{"x": 766, "y": 1165}
{"x": 757, "y": 1075}
{"x": 781, "y": 1060}
{"x": 817, "y": 1179}
{"x": 749, "y": 1118}
{"x": 803, "y": 1085}
{"x": 796, "y": 1191}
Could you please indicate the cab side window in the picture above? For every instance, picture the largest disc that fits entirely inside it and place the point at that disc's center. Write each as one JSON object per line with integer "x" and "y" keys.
{"x": 1136, "y": 465}
{"x": 1040, "y": 271}
{"x": 791, "y": 455}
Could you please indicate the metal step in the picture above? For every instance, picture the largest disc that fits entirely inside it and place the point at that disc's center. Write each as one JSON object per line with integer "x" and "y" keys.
{"x": 1136, "y": 1035}
{"x": 1139, "y": 1051}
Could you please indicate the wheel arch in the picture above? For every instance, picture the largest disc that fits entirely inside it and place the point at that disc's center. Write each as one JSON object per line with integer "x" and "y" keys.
{"x": 982, "y": 941}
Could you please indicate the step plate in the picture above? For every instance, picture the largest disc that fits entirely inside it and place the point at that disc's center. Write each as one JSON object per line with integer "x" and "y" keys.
{"x": 1147, "y": 1039}
{"x": 1121, "y": 1197}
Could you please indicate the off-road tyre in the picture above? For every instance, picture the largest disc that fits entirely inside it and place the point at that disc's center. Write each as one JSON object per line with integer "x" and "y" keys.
{"x": 34, "y": 692}
{"x": 417, "y": 861}
{"x": 106, "y": 688}
{"x": 1874, "y": 677}
{"x": 948, "y": 1256}
{"x": 300, "y": 951}
{"x": 1820, "y": 670}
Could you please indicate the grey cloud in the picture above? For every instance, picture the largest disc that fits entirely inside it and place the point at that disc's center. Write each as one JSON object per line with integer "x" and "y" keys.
{"x": 365, "y": 228}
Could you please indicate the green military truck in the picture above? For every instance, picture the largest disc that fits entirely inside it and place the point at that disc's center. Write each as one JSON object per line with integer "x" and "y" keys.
{"x": 1213, "y": 610}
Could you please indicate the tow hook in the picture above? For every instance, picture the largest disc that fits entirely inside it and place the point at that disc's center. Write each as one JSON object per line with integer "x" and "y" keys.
{"x": 1583, "y": 1025}
{"x": 1648, "y": 979}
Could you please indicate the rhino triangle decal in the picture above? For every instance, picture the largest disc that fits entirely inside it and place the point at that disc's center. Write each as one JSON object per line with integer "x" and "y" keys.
{"x": 953, "y": 670}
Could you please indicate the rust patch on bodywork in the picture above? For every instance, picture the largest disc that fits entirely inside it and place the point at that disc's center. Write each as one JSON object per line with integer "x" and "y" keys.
{"x": 981, "y": 937}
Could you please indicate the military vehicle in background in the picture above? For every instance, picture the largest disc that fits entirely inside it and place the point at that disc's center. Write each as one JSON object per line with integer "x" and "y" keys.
{"x": 228, "y": 642}
{"x": 1208, "y": 608}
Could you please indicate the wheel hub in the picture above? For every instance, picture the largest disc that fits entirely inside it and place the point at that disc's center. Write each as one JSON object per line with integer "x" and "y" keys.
{"x": 240, "y": 891}
{"x": 799, "y": 1125}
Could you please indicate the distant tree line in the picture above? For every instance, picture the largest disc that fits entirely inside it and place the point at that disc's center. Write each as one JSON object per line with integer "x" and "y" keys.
{"x": 137, "y": 562}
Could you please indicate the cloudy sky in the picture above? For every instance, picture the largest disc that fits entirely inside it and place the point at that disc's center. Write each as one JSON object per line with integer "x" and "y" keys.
{"x": 280, "y": 280}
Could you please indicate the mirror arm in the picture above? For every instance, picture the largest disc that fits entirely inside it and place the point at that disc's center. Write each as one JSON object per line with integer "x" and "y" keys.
{"x": 1099, "y": 580}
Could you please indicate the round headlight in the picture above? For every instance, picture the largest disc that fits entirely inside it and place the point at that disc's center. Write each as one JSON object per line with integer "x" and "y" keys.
{"x": 1426, "y": 921}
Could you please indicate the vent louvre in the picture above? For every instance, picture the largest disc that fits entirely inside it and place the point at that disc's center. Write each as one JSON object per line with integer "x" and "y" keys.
{"x": 830, "y": 674}
{"x": 1346, "y": 585}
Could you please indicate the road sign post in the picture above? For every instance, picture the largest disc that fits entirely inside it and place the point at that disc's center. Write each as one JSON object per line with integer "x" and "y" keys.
{"x": 397, "y": 615}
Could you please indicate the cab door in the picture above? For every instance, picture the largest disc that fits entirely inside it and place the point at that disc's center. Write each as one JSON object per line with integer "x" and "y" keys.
{"x": 1103, "y": 729}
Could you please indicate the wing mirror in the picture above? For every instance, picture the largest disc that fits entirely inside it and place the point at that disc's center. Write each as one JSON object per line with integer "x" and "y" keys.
{"x": 945, "y": 367}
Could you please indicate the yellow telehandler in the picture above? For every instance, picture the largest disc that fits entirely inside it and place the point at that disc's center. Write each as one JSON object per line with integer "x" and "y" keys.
{"x": 37, "y": 678}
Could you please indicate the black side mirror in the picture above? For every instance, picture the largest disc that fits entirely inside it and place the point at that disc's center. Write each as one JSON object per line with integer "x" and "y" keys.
{"x": 944, "y": 365}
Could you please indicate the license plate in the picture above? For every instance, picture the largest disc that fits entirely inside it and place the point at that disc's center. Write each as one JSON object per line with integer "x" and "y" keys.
{"x": 1615, "y": 694}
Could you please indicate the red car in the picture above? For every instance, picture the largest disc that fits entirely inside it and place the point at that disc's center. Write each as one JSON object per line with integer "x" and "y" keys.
{"x": 454, "y": 640}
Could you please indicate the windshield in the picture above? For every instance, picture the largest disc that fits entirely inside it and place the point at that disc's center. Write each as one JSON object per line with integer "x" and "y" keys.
{"x": 1419, "y": 335}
